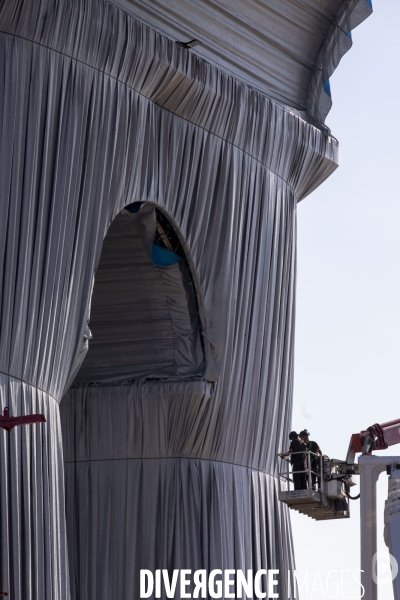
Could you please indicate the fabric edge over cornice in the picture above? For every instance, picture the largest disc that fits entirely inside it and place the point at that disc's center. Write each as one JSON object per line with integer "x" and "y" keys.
{"x": 178, "y": 81}
{"x": 338, "y": 41}
{"x": 251, "y": 41}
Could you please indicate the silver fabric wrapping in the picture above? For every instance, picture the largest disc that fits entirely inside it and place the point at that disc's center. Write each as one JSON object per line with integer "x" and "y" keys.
{"x": 284, "y": 49}
{"x": 89, "y": 124}
{"x": 136, "y": 500}
{"x": 33, "y": 544}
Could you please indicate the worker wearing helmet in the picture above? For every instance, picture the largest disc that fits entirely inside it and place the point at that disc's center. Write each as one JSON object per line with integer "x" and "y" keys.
{"x": 297, "y": 461}
{"x": 314, "y": 460}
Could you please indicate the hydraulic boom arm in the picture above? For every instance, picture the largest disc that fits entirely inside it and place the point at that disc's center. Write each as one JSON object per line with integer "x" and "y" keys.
{"x": 376, "y": 437}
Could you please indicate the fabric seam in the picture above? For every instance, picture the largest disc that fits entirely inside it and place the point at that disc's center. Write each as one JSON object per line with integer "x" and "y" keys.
{"x": 224, "y": 462}
{"x": 30, "y": 384}
{"x": 77, "y": 60}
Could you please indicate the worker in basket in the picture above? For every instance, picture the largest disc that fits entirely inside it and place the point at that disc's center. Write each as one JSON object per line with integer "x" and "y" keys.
{"x": 297, "y": 461}
{"x": 314, "y": 460}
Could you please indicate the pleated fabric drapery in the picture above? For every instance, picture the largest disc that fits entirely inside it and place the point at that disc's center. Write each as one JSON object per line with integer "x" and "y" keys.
{"x": 204, "y": 472}
{"x": 89, "y": 124}
{"x": 284, "y": 49}
{"x": 137, "y": 498}
{"x": 33, "y": 551}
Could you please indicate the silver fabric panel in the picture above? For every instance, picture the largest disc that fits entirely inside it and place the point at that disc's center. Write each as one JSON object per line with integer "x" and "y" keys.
{"x": 197, "y": 470}
{"x": 89, "y": 124}
{"x": 171, "y": 513}
{"x": 281, "y": 48}
{"x": 143, "y": 317}
{"x": 271, "y": 46}
{"x": 141, "y": 419}
{"x": 136, "y": 500}
{"x": 158, "y": 69}
{"x": 48, "y": 231}
{"x": 33, "y": 544}
{"x": 118, "y": 146}
{"x": 50, "y": 227}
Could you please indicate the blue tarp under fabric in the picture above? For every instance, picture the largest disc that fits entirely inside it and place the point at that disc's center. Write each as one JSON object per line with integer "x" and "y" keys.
{"x": 162, "y": 257}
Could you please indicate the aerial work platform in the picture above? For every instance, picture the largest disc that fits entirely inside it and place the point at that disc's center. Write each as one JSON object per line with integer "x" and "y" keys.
{"x": 328, "y": 501}
{"x": 314, "y": 504}
{"x": 327, "y": 490}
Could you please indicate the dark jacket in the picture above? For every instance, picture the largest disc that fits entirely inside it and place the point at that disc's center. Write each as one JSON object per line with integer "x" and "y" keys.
{"x": 297, "y": 446}
{"x": 313, "y": 447}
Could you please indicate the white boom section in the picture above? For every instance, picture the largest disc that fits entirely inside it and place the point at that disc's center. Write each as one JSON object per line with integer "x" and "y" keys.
{"x": 392, "y": 522}
{"x": 370, "y": 467}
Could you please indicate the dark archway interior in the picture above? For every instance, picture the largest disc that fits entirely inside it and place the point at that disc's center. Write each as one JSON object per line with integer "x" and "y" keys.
{"x": 144, "y": 318}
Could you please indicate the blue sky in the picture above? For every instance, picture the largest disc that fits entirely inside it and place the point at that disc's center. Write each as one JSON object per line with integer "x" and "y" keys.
{"x": 347, "y": 360}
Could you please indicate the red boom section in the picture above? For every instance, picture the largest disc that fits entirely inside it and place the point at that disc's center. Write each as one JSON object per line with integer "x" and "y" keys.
{"x": 385, "y": 435}
{"x": 391, "y": 431}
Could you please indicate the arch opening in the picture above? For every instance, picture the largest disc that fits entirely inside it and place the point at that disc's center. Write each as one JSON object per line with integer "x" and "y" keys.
{"x": 144, "y": 316}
